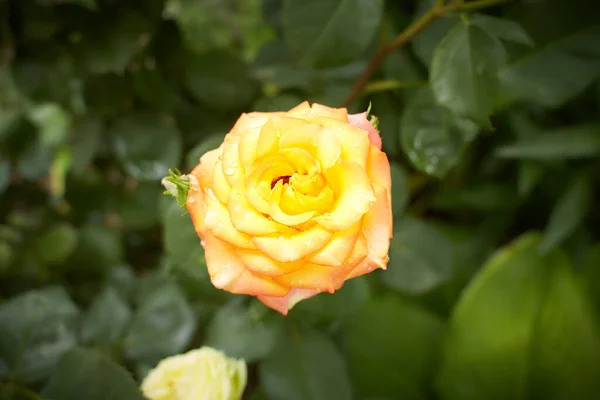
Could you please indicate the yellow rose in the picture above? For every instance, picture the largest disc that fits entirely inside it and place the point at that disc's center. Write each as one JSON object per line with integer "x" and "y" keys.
{"x": 204, "y": 373}
{"x": 293, "y": 204}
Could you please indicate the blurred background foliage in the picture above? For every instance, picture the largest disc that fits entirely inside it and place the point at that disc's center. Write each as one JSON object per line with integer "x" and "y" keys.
{"x": 490, "y": 119}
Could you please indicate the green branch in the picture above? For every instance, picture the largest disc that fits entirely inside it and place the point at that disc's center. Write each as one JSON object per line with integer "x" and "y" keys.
{"x": 439, "y": 9}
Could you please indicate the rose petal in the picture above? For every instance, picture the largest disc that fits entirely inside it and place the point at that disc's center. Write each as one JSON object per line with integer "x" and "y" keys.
{"x": 200, "y": 178}
{"x": 378, "y": 169}
{"x": 359, "y": 253}
{"x": 312, "y": 276}
{"x": 324, "y": 147}
{"x": 216, "y": 219}
{"x": 338, "y": 249}
{"x": 353, "y": 187}
{"x": 280, "y": 216}
{"x": 227, "y": 272}
{"x": 204, "y": 170}
{"x": 195, "y": 204}
{"x": 300, "y": 111}
{"x": 360, "y": 121}
{"x": 258, "y": 184}
{"x": 232, "y": 168}
{"x": 376, "y": 229}
{"x": 291, "y": 247}
{"x": 294, "y": 201}
{"x": 319, "y": 110}
{"x": 246, "y": 219}
{"x": 354, "y": 142}
{"x": 287, "y": 302}
{"x": 258, "y": 262}
{"x": 220, "y": 187}
{"x": 247, "y": 147}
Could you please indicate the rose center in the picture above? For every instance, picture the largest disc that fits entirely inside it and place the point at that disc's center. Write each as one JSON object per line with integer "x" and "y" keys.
{"x": 285, "y": 179}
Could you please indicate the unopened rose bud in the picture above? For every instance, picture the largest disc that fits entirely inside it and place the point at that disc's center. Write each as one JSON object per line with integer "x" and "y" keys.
{"x": 204, "y": 373}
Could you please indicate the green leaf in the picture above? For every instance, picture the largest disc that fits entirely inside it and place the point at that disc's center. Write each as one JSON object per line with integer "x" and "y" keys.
{"x": 98, "y": 249}
{"x": 431, "y": 137}
{"x": 568, "y": 213}
{"x": 6, "y": 259}
{"x": 91, "y": 4}
{"x": 400, "y": 66}
{"x": 429, "y": 38}
{"x": 85, "y": 143}
{"x": 179, "y": 235}
{"x": 483, "y": 197}
{"x": 220, "y": 81}
{"x": 57, "y": 243}
{"x": 153, "y": 88}
{"x": 185, "y": 255}
{"x": 86, "y": 374}
{"x": 236, "y": 332}
{"x": 590, "y": 274}
{"x": 107, "y": 95}
{"x": 139, "y": 209}
{"x": 501, "y": 28}
{"x": 122, "y": 279}
{"x": 421, "y": 257}
{"x": 572, "y": 142}
{"x": 329, "y": 311}
{"x": 463, "y": 74}
{"x": 392, "y": 349}
{"x": 147, "y": 145}
{"x": 530, "y": 175}
{"x": 38, "y": 327}
{"x": 35, "y": 162}
{"x": 306, "y": 366}
{"x": 107, "y": 318}
{"x": 211, "y": 24}
{"x": 5, "y": 175}
{"x": 112, "y": 45}
{"x": 53, "y": 123}
{"x": 553, "y": 74}
{"x": 571, "y": 337}
{"x": 192, "y": 159}
{"x": 400, "y": 189}
{"x": 161, "y": 327}
{"x": 281, "y": 102}
{"x": 519, "y": 322}
{"x": 274, "y": 68}
{"x": 339, "y": 32}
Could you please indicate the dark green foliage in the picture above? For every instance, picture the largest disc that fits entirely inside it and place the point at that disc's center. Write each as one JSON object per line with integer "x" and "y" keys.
{"x": 489, "y": 115}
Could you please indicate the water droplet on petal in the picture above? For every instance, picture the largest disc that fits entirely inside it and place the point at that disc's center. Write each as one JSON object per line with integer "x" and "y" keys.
{"x": 356, "y": 144}
{"x": 281, "y": 237}
{"x": 192, "y": 200}
{"x": 238, "y": 195}
{"x": 229, "y": 171}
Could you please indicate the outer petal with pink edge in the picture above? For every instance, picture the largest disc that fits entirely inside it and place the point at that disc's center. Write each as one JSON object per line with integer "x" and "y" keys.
{"x": 284, "y": 304}
{"x": 227, "y": 272}
{"x": 361, "y": 121}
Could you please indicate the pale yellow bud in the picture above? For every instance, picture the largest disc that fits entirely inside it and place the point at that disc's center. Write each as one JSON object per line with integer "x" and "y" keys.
{"x": 201, "y": 374}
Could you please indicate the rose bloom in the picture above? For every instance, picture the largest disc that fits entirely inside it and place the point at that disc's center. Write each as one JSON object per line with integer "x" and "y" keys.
{"x": 203, "y": 373}
{"x": 293, "y": 204}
